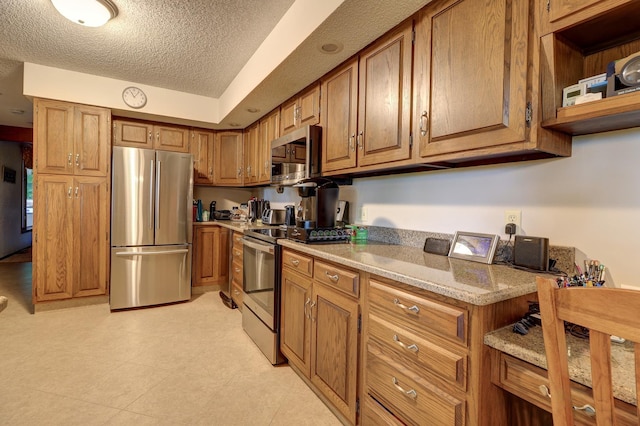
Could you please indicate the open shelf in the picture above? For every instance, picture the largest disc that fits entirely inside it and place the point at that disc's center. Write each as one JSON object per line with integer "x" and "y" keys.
{"x": 614, "y": 113}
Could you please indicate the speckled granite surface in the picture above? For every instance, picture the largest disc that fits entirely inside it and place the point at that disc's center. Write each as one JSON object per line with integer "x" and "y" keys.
{"x": 530, "y": 348}
{"x": 471, "y": 282}
{"x": 234, "y": 226}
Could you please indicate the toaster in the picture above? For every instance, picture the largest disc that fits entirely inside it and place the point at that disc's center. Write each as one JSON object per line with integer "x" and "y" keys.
{"x": 273, "y": 217}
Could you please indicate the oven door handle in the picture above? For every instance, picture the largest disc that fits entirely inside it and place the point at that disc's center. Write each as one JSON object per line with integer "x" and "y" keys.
{"x": 266, "y": 247}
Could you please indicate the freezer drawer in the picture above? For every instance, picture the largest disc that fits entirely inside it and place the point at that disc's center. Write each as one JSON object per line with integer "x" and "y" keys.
{"x": 143, "y": 276}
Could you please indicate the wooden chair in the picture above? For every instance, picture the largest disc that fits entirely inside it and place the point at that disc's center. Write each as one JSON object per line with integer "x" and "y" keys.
{"x": 605, "y": 312}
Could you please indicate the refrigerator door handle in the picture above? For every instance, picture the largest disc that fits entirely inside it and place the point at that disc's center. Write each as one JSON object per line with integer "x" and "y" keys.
{"x": 158, "y": 195}
{"x": 147, "y": 253}
{"x": 151, "y": 196}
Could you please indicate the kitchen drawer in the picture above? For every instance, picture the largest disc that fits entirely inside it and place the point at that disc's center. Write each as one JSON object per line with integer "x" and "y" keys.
{"x": 335, "y": 276}
{"x": 408, "y": 395}
{"x": 237, "y": 294}
{"x": 418, "y": 353}
{"x": 298, "y": 262}
{"x": 236, "y": 271}
{"x": 236, "y": 252}
{"x": 375, "y": 414}
{"x": 237, "y": 239}
{"x": 525, "y": 380}
{"x": 417, "y": 313}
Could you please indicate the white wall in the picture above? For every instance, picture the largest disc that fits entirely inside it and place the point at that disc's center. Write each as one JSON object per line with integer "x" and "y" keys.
{"x": 11, "y": 237}
{"x": 589, "y": 201}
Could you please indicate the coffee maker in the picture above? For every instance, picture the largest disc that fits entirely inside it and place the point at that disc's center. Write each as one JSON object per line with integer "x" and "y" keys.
{"x": 316, "y": 212}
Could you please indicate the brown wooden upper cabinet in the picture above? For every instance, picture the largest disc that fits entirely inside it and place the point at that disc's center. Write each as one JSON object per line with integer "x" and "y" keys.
{"x": 228, "y": 155}
{"x": 150, "y": 136}
{"x": 71, "y": 138}
{"x": 302, "y": 110}
{"x": 470, "y": 85}
{"x": 269, "y": 130}
{"x": 251, "y": 154}
{"x": 202, "y": 142}
{"x": 366, "y": 107}
{"x": 559, "y": 9}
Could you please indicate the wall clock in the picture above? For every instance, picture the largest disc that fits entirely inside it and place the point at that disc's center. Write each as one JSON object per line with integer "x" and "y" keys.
{"x": 134, "y": 97}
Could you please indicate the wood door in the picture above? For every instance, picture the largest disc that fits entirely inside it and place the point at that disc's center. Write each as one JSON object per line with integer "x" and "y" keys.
{"x": 309, "y": 107}
{"x": 251, "y": 154}
{"x": 91, "y": 235}
{"x": 169, "y": 138}
{"x": 211, "y": 259}
{"x": 133, "y": 134}
{"x": 92, "y": 141}
{"x": 478, "y": 76}
{"x": 53, "y": 238}
{"x": 202, "y": 149}
{"x": 559, "y": 9}
{"x": 288, "y": 116}
{"x": 269, "y": 130}
{"x": 295, "y": 326}
{"x": 53, "y": 137}
{"x": 334, "y": 348}
{"x": 228, "y": 159}
{"x": 339, "y": 118}
{"x": 384, "y": 113}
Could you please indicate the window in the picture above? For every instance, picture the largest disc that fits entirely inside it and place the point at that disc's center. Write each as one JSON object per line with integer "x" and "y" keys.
{"x": 27, "y": 187}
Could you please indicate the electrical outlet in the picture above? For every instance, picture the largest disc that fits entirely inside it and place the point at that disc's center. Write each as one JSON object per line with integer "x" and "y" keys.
{"x": 363, "y": 214}
{"x": 513, "y": 216}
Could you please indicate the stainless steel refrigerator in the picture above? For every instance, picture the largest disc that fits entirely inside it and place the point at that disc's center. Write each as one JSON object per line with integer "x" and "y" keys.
{"x": 151, "y": 227}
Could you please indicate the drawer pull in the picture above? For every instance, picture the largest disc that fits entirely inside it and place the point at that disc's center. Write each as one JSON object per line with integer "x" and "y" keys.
{"x": 587, "y": 409}
{"x": 412, "y": 347}
{"x": 333, "y": 278}
{"x": 236, "y": 292}
{"x": 410, "y": 393}
{"x": 295, "y": 262}
{"x": 413, "y": 308}
{"x": 237, "y": 269}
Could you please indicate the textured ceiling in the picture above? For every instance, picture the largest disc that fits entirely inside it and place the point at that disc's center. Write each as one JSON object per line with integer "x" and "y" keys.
{"x": 194, "y": 46}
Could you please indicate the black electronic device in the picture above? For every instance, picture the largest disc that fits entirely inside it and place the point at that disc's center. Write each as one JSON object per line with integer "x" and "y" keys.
{"x": 437, "y": 246}
{"x": 531, "y": 252}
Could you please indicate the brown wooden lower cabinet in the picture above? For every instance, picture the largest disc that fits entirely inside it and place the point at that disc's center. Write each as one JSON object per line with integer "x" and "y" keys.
{"x": 211, "y": 255}
{"x": 237, "y": 269}
{"x": 71, "y": 237}
{"x": 424, "y": 360}
{"x": 319, "y": 332}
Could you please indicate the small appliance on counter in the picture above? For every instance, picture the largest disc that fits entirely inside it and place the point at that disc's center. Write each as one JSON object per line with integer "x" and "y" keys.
{"x": 290, "y": 215}
{"x": 256, "y": 209}
{"x": 317, "y": 211}
{"x": 221, "y": 214}
{"x": 273, "y": 217}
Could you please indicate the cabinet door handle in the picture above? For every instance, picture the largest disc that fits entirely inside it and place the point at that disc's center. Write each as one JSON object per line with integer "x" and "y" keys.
{"x": 237, "y": 269}
{"x": 236, "y": 292}
{"x": 69, "y": 192}
{"x": 69, "y": 158}
{"x": 424, "y": 123}
{"x": 411, "y": 393}
{"x": 412, "y": 347}
{"x": 158, "y": 136}
{"x": 76, "y": 192}
{"x": 239, "y": 171}
{"x": 352, "y": 139}
{"x": 210, "y": 171}
{"x": 150, "y": 135}
{"x": 77, "y": 159}
{"x": 333, "y": 278}
{"x": 413, "y": 308}
{"x": 311, "y": 311}
{"x": 295, "y": 262}
{"x": 360, "y": 142}
{"x": 307, "y": 314}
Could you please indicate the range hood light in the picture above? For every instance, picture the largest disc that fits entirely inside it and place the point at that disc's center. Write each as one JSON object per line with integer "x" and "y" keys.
{"x": 90, "y": 13}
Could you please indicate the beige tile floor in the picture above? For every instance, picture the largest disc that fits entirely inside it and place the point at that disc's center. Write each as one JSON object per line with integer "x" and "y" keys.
{"x": 188, "y": 363}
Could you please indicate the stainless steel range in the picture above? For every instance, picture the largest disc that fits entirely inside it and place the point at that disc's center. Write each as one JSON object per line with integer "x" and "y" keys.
{"x": 261, "y": 313}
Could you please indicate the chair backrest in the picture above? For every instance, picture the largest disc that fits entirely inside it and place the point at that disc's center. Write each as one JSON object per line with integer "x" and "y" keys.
{"x": 605, "y": 312}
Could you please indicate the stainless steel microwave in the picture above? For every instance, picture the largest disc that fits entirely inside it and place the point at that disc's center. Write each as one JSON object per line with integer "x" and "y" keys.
{"x": 296, "y": 156}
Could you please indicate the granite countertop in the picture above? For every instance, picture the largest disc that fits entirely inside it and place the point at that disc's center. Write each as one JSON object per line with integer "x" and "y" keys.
{"x": 235, "y": 226}
{"x": 530, "y": 348}
{"x": 472, "y": 282}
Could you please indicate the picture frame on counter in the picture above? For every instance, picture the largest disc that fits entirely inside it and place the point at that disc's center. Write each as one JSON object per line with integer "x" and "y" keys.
{"x": 474, "y": 246}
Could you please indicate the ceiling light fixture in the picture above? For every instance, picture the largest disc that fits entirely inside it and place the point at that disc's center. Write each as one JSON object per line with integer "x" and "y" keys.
{"x": 90, "y": 13}
{"x": 17, "y": 111}
{"x": 331, "y": 48}
{"x": 253, "y": 110}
